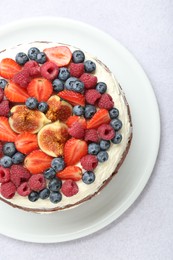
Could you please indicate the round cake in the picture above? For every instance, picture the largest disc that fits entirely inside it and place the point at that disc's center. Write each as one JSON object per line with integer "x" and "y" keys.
{"x": 65, "y": 126}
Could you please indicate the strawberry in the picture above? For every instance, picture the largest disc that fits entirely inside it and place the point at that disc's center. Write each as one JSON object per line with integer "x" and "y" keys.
{"x": 74, "y": 150}
{"x": 73, "y": 119}
{"x": 70, "y": 172}
{"x": 72, "y": 97}
{"x": 8, "y": 68}
{"x": 6, "y": 133}
{"x": 37, "y": 162}
{"x": 60, "y": 55}
{"x": 40, "y": 88}
{"x": 15, "y": 93}
{"x": 26, "y": 142}
{"x": 99, "y": 118}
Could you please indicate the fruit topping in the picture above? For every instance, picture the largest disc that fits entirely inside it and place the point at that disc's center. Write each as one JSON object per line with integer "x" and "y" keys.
{"x": 8, "y": 68}
{"x": 90, "y": 66}
{"x": 106, "y": 132}
{"x": 41, "y": 57}
{"x": 70, "y": 172}
{"x": 33, "y": 196}
{"x": 40, "y": 88}
{"x": 37, "y": 182}
{"x": 22, "y": 78}
{"x": 90, "y": 110}
{"x": 49, "y": 173}
{"x": 64, "y": 74}
{"x": 73, "y": 119}
{"x": 89, "y": 162}
{"x": 102, "y": 156}
{"x": 91, "y": 96}
{"x": 78, "y": 110}
{"x": 91, "y": 135}
{"x": 8, "y": 190}
{"x": 26, "y": 120}
{"x": 74, "y": 150}
{"x": 78, "y": 86}
{"x": 52, "y": 137}
{"x": 88, "y": 177}
{"x": 105, "y": 145}
{"x": 21, "y": 58}
{"x": 26, "y": 142}
{"x": 3, "y": 83}
{"x": 4, "y": 174}
{"x": 60, "y": 55}
{"x": 89, "y": 80}
{"x": 58, "y": 85}
{"x": 32, "y": 53}
{"x": 19, "y": 174}
{"x": 69, "y": 188}
{"x": 58, "y": 164}
{"x": 117, "y": 139}
{"x": 99, "y": 118}
{"x": 93, "y": 148}
{"x": 9, "y": 149}
{"x": 101, "y": 87}
{"x": 55, "y": 184}
{"x": 106, "y": 102}
{"x": 76, "y": 69}
{"x": 18, "y": 158}
{"x": 114, "y": 113}
{"x": 4, "y": 108}
{"x": 6, "y": 133}
{"x": 15, "y": 93}
{"x": 1, "y": 94}
{"x": 44, "y": 194}
{"x": 6, "y": 161}
{"x": 78, "y": 56}
{"x": 77, "y": 130}
{"x": 43, "y": 107}
{"x": 31, "y": 103}
{"x": 116, "y": 124}
{"x": 24, "y": 189}
{"x": 69, "y": 83}
{"x": 33, "y": 68}
{"x": 49, "y": 70}
{"x": 72, "y": 97}
{"x": 55, "y": 196}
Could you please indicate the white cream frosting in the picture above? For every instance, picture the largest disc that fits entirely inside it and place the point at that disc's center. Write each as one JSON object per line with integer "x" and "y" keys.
{"x": 104, "y": 170}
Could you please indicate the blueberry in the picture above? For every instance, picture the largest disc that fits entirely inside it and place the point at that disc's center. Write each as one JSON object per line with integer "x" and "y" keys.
{"x": 31, "y": 103}
{"x": 33, "y": 196}
{"x": 104, "y": 145}
{"x": 3, "y": 83}
{"x": 102, "y": 156}
{"x": 18, "y": 158}
{"x": 21, "y": 58}
{"x": 9, "y": 149}
{"x": 44, "y": 194}
{"x": 114, "y": 113}
{"x": 43, "y": 107}
{"x": 58, "y": 85}
{"x": 78, "y": 110}
{"x": 64, "y": 74}
{"x": 55, "y": 184}
{"x": 88, "y": 177}
{"x": 116, "y": 124}
{"x": 90, "y": 110}
{"x": 41, "y": 57}
{"x": 101, "y": 87}
{"x": 89, "y": 66}
{"x": 93, "y": 148}
{"x": 117, "y": 139}
{"x": 58, "y": 164}
{"x": 78, "y": 56}
{"x": 6, "y": 161}
{"x": 49, "y": 173}
{"x": 78, "y": 86}
{"x": 32, "y": 53}
{"x": 69, "y": 83}
{"x": 55, "y": 197}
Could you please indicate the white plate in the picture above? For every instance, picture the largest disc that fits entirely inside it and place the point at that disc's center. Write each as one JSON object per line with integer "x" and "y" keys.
{"x": 126, "y": 186}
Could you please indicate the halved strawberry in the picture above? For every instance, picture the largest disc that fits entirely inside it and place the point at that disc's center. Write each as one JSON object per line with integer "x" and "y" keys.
{"x": 15, "y": 93}
{"x": 6, "y": 133}
{"x": 70, "y": 172}
{"x": 99, "y": 118}
{"x": 8, "y": 68}
{"x": 37, "y": 162}
{"x": 60, "y": 55}
{"x": 26, "y": 142}
{"x": 74, "y": 150}
{"x": 74, "y": 119}
{"x": 72, "y": 97}
{"x": 40, "y": 88}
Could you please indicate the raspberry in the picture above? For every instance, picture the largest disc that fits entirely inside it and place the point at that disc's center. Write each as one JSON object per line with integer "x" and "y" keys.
{"x": 1, "y": 94}
{"x": 76, "y": 130}
{"x": 106, "y": 102}
{"x": 92, "y": 96}
{"x": 19, "y": 174}
{"x": 76, "y": 69}
{"x": 69, "y": 188}
{"x": 89, "y": 162}
{"x": 22, "y": 78}
{"x": 91, "y": 135}
{"x": 8, "y": 190}
{"x": 89, "y": 80}
{"x": 4, "y": 108}
{"x": 4, "y": 174}
{"x": 49, "y": 70}
{"x": 33, "y": 68}
{"x": 37, "y": 182}
{"x": 24, "y": 189}
{"x": 106, "y": 132}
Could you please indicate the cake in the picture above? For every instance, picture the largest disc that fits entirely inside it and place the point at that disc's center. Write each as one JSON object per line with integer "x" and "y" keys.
{"x": 65, "y": 126}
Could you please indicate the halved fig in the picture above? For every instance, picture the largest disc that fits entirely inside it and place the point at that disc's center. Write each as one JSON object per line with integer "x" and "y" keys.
{"x": 52, "y": 138}
{"x": 58, "y": 110}
{"x": 26, "y": 120}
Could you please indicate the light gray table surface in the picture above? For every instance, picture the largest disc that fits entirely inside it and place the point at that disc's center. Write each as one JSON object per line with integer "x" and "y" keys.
{"x": 145, "y": 231}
